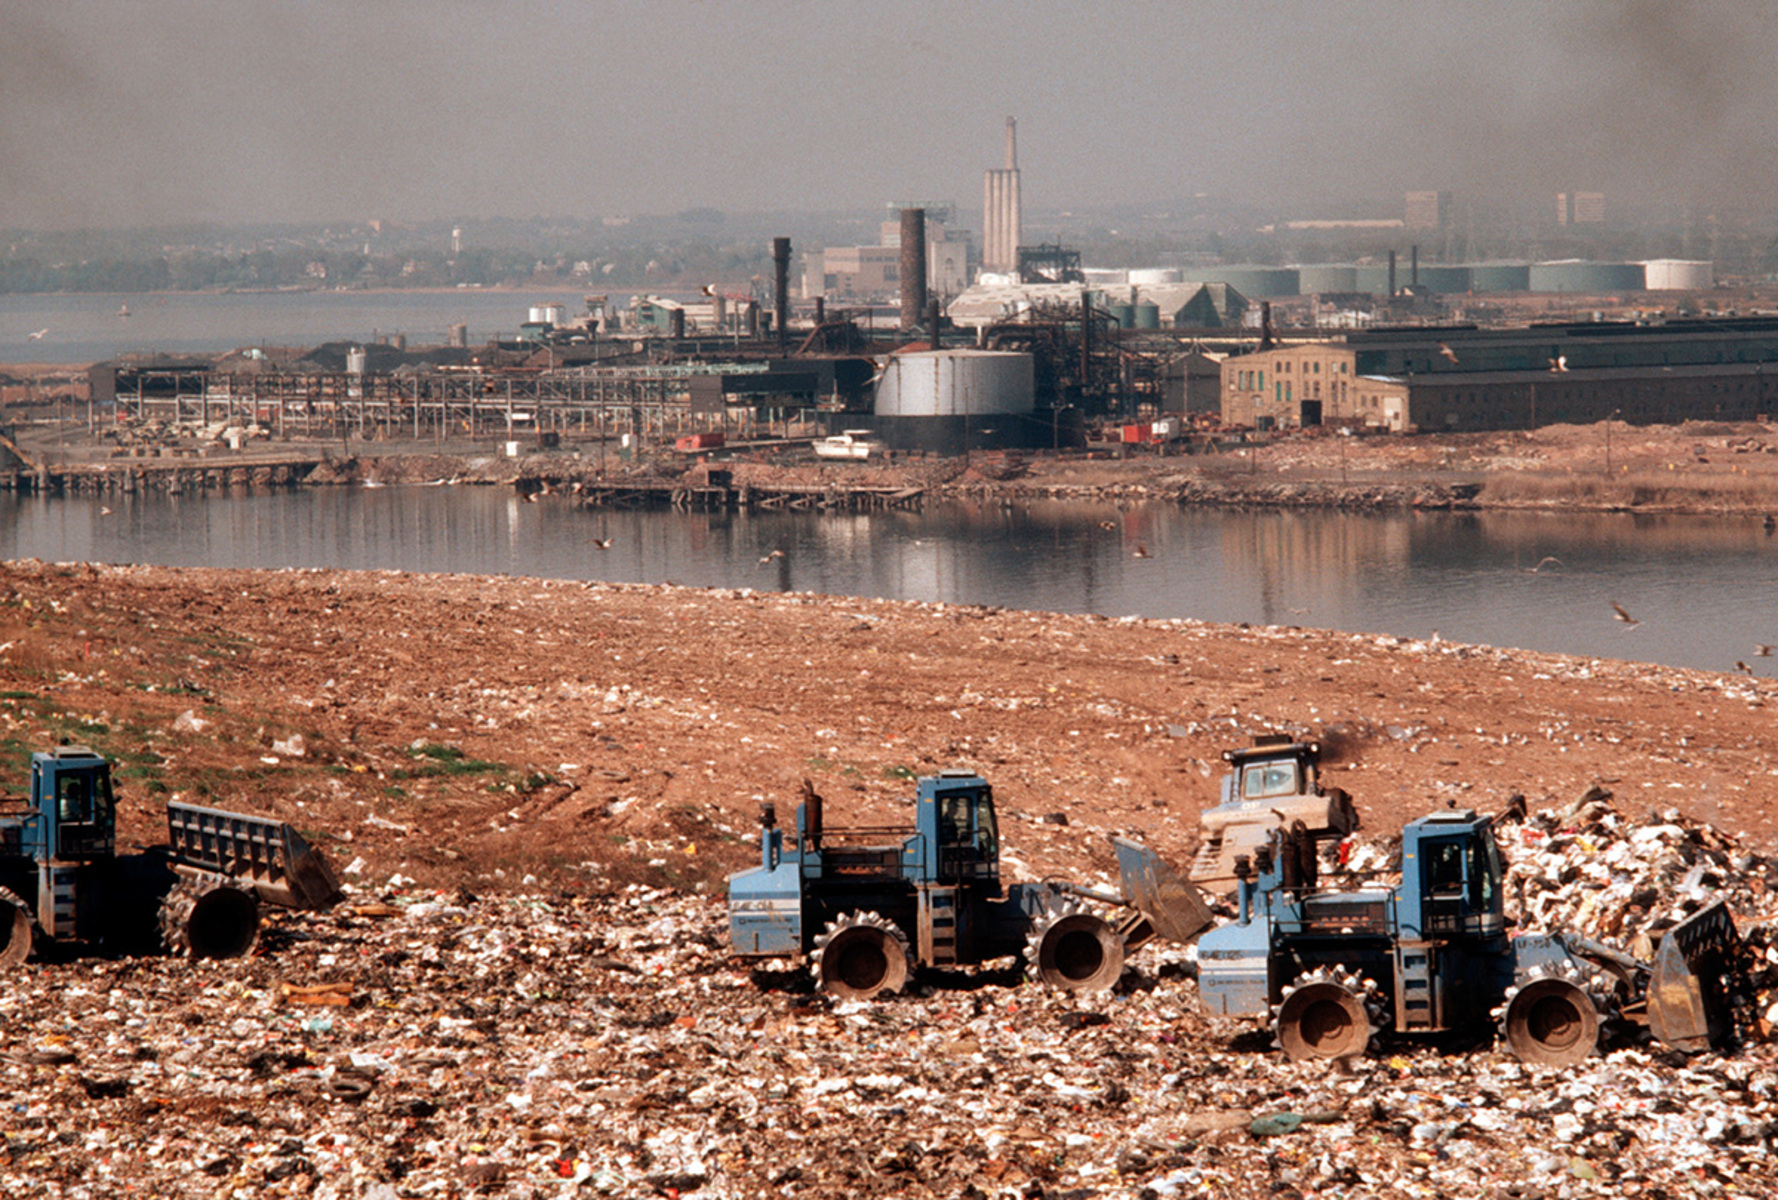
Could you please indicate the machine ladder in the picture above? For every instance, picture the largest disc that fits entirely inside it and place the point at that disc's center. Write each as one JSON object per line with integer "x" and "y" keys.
{"x": 938, "y": 926}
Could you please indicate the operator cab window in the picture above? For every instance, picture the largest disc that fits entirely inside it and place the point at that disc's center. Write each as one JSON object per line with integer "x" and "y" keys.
{"x": 1269, "y": 779}
{"x": 987, "y": 830}
{"x": 1444, "y": 868}
{"x": 73, "y": 798}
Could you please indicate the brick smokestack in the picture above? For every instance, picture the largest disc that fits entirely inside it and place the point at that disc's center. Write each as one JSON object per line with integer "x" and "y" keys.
{"x": 781, "y": 273}
{"x": 913, "y": 267}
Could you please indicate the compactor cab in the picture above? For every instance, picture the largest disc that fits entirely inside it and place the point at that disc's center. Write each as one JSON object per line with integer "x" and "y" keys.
{"x": 74, "y": 816}
{"x": 956, "y": 817}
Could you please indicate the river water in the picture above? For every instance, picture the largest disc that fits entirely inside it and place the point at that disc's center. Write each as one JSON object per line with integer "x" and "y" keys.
{"x": 81, "y": 328}
{"x": 1704, "y": 590}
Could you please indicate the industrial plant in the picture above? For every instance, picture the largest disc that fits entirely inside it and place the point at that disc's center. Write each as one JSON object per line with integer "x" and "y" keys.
{"x": 932, "y": 341}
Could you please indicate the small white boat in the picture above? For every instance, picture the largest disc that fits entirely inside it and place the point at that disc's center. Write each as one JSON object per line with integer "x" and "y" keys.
{"x": 852, "y": 444}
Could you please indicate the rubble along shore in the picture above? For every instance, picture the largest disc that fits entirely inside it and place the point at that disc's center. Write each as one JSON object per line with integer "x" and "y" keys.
{"x": 1698, "y": 467}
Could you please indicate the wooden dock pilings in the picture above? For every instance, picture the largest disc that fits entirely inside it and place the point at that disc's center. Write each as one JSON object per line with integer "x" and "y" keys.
{"x": 723, "y": 497}
{"x": 182, "y": 477}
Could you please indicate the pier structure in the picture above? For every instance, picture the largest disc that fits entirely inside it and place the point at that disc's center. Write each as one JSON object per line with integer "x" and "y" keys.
{"x": 595, "y": 402}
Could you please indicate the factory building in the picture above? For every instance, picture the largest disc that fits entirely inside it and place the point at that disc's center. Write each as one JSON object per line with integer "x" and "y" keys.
{"x": 1428, "y": 210}
{"x": 1001, "y": 228}
{"x": 873, "y": 273}
{"x": 1466, "y": 379}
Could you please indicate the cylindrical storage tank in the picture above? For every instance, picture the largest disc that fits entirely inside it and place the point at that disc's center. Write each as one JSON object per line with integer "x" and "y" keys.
{"x": 1256, "y": 283}
{"x": 955, "y": 383}
{"x": 1327, "y": 277}
{"x": 1147, "y": 314}
{"x": 1678, "y": 274}
{"x": 553, "y": 312}
{"x": 1499, "y": 277}
{"x": 1576, "y": 275}
{"x": 1154, "y": 276}
{"x": 1123, "y": 314}
{"x": 539, "y": 313}
{"x": 1371, "y": 277}
{"x": 355, "y": 361}
{"x": 1105, "y": 276}
{"x": 1444, "y": 279}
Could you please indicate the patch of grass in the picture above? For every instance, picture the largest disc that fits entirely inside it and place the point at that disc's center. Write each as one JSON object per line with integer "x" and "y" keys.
{"x": 19, "y": 696}
{"x": 435, "y": 760}
{"x": 899, "y": 772}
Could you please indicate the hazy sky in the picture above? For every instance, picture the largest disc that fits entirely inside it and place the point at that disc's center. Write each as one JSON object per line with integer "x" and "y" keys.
{"x": 133, "y": 112}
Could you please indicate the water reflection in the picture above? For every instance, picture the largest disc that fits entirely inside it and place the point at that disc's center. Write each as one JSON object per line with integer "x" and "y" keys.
{"x": 1703, "y": 588}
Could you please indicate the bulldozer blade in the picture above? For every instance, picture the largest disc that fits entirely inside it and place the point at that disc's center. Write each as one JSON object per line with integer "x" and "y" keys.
{"x": 1688, "y": 1001}
{"x": 1151, "y": 885}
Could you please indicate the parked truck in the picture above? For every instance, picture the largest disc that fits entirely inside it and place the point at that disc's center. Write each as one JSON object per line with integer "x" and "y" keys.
{"x": 63, "y": 883}
{"x": 866, "y": 906}
{"x": 1326, "y": 969}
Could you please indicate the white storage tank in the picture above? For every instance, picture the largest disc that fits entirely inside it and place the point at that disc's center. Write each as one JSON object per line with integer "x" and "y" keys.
{"x": 955, "y": 383}
{"x": 549, "y": 314}
{"x": 1154, "y": 276}
{"x": 1679, "y": 274}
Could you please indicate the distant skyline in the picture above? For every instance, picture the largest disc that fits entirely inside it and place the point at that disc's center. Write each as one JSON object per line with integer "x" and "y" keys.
{"x": 120, "y": 114}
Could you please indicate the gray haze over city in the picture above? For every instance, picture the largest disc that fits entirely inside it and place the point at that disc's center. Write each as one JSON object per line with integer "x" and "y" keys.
{"x": 120, "y": 114}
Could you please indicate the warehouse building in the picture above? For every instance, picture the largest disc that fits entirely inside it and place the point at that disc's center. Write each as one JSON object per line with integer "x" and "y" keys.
{"x": 1467, "y": 379}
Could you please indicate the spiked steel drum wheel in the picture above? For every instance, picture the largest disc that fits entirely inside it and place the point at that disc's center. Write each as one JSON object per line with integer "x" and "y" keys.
{"x": 209, "y": 922}
{"x": 1324, "y": 1015}
{"x": 860, "y": 955}
{"x": 15, "y": 930}
{"x": 1075, "y": 949}
{"x": 1552, "y": 1021}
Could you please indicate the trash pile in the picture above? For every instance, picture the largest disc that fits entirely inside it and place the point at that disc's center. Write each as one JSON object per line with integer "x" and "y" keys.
{"x": 413, "y": 1044}
{"x": 1590, "y": 870}
{"x": 152, "y": 437}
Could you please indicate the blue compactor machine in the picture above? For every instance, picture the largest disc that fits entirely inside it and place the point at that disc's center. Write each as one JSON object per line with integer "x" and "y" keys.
{"x": 865, "y": 906}
{"x": 1328, "y": 967}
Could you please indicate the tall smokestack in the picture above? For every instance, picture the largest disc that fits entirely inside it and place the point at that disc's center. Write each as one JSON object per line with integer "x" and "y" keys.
{"x": 1414, "y": 264}
{"x": 781, "y": 269}
{"x": 913, "y": 267}
{"x": 1392, "y": 274}
{"x": 1001, "y": 220}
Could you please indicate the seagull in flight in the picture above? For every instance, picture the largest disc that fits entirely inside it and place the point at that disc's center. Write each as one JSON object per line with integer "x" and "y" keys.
{"x": 1548, "y": 558}
{"x": 1743, "y": 667}
{"x": 768, "y": 558}
{"x": 1445, "y": 351}
{"x": 601, "y": 543}
{"x": 1623, "y": 615}
{"x": 1559, "y": 363}
{"x": 1142, "y": 551}
{"x": 39, "y": 335}
{"x": 1761, "y": 650}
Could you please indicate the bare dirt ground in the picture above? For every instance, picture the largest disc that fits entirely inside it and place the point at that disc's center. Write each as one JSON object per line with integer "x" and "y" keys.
{"x": 508, "y": 733}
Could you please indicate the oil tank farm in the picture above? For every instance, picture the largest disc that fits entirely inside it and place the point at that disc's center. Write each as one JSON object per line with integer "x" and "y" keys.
{"x": 957, "y": 399}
